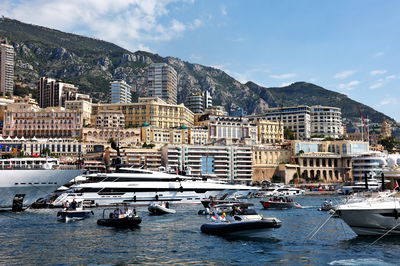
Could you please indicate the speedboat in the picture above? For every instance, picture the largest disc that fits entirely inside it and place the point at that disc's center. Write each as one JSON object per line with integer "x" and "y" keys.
{"x": 280, "y": 203}
{"x": 28, "y": 179}
{"x": 117, "y": 219}
{"x": 377, "y": 215}
{"x": 326, "y": 206}
{"x": 135, "y": 186}
{"x": 160, "y": 208}
{"x": 283, "y": 191}
{"x": 77, "y": 213}
{"x": 240, "y": 221}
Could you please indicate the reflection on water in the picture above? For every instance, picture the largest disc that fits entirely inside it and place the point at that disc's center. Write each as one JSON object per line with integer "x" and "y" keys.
{"x": 36, "y": 237}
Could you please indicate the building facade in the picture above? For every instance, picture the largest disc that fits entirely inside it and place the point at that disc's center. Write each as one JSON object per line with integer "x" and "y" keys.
{"x": 195, "y": 102}
{"x": 110, "y": 119}
{"x": 6, "y": 69}
{"x": 127, "y": 137}
{"x": 326, "y": 121}
{"x": 120, "y": 92}
{"x": 269, "y": 132}
{"x": 150, "y": 111}
{"x": 236, "y": 129}
{"x": 162, "y": 82}
{"x": 161, "y": 136}
{"x": 230, "y": 163}
{"x": 54, "y": 93}
{"x": 26, "y": 120}
{"x": 83, "y": 106}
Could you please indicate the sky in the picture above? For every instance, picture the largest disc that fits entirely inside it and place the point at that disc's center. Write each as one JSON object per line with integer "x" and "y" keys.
{"x": 348, "y": 46}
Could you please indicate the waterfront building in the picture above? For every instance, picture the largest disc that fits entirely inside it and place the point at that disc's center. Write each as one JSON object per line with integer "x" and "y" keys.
{"x": 162, "y": 82}
{"x": 120, "y": 92}
{"x": 234, "y": 129}
{"x": 161, "y": 136}
{"x": 150, "y": 111}
{"x": 21, "y": 119}
{"x": 41, "y": 146}
{"x": 110, "y": 119}
{"x": 266, "y": 160}
{"x": 6, "y": 69}
{"x": 326, "y": 121}
{"x": 371, "y": 163}
{"x": 327, "y": 161}
{"x": 207, "y": 99}
{"x": 54, "y": 93}
{"x": 128, "y": 136}
{"x": 229, "y": 163}
{"x": 216, "y": 110}
{"x": 269, "y": 132}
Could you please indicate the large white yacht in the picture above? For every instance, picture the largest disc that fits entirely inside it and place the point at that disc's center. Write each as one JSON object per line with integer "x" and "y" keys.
{"x": 24, "y": 180}
{"x": 140, "y": 187}
{"x": 376, "y": 215}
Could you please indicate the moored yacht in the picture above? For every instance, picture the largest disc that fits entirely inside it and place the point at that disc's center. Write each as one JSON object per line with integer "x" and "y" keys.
{"x": 24, "y": 180}
{"x": 372, "y": 215}
{"x": 140, "y": 187}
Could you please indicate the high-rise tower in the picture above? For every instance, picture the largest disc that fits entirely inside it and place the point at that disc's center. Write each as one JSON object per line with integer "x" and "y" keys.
{"x": 162, "y": 82}
{"x": 6, "y": 69}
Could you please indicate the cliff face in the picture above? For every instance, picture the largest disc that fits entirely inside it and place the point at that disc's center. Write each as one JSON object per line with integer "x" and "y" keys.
{"x": 92, "y": 64}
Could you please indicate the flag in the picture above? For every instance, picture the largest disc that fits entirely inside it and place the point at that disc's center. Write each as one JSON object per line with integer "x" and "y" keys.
{"x": 396, "y": 185}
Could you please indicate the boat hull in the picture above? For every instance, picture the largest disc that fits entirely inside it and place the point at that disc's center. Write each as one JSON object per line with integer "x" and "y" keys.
{"x": 32, "y": 184}
{"x": 279, "y": 205}
{"x": 127, "y": 222}
{"x": 74, "y": 214}
{"x": 235, "y": 228}
{"x": 156, "y": 209}
{"x": 372, "y": 221}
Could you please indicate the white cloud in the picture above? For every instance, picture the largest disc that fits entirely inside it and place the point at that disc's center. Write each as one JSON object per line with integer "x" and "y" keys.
{"x": 387, "y": 101}
{"x": 378, "y": 54}
{"x": 130, "y": 23}
{"x": 376, "y": 85}
{"x": 283, "y": 76}
{"x": 348, "y": 86}
{"x": 224, "y": 11}
{"x": 344, "y": 74}
{"x": 377, "y": 72}
{"x": 391, "y": 77}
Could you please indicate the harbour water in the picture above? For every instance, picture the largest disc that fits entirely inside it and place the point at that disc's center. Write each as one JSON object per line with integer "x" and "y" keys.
{"x": 36, "y": 237}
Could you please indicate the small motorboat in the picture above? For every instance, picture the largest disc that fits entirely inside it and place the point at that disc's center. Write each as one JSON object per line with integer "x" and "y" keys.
{"x": 76, "y": 211}
{"x": 241, "y": 220}
{"x": 280, "y": 203}
{"x": 327, "y": 206}
{"x": 119, "y": 218}
{"x": 160, "y": 208}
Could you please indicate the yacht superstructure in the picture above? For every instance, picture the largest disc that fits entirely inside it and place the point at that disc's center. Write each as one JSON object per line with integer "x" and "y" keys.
{"x": 140, "y": 187}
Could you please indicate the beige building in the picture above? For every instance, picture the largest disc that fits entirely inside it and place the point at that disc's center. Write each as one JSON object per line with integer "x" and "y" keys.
{"x": 129, "y": 136}
{"x": 150, "y": 111}
{"x": 149, "y": 158}
{"x": 269, "y": 132}
{"x": 386, "y": 129}
{"x": 161, "y": 136}
{"x": 84, "y": 106}
{"x": 110, "y": 119}
{"x": 266, "y": 160}
{"x": 21, "y": 119}
{"x": 198, "y": 136}
{"x": 6, "y": 69}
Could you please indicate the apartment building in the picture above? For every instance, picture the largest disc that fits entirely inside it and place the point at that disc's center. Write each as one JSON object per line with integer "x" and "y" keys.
{"x": 54, "y": 93}
{"x": 229, "y": 163}
{"x": 162, "y": 82}
{"x": 83, "y": 106}
{"x": 161, "y": 136}
{"x": 21, "y": 119}
{"x": 110, "y": 119}
{"x": 6, "y": 69}
{"x": 198, "y": 135}
{"x": 128, "y": 136}
{"x": 120, "y": 92}
{"x": 326, "y": 121}
{"x": 198, "y": 102}
{"x": 269, "y": 132}
{"x": 150, "y": 111}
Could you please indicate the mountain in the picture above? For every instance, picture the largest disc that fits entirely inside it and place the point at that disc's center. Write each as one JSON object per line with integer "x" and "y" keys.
{"x": 91, "y": 64}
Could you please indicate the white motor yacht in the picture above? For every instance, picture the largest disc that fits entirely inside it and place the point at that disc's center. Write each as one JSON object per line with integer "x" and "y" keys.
{"x": 140, "y": 187}
{"x": 376, "y": 215}
{"x": 24, "y": 180}
{"x": 283, "y": 191}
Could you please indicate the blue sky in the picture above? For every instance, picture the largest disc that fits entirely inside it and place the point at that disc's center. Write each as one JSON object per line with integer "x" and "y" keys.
{"x": 348, "y": 46}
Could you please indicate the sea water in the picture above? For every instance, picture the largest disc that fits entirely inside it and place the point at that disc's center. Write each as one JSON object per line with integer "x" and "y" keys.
{"x": 36, "y": 237}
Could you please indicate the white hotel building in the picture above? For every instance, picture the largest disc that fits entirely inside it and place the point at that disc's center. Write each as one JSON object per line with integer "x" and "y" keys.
{"x": 229, "y": 163}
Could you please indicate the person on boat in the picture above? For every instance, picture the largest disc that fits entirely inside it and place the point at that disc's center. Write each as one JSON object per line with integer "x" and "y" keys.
{"x": 128, "y": 212}
{"x": 116, "y": 213}
{"x": 167, "y": 205}
{"x": 66, "y": 205}
{"x": 73, "y": 205}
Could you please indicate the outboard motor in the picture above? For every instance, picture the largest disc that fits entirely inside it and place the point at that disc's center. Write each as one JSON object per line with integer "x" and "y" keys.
{"x": 18, "y": 203}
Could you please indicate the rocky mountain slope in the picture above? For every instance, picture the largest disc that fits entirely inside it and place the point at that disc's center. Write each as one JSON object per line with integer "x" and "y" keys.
{"x": 92, "y": 63}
